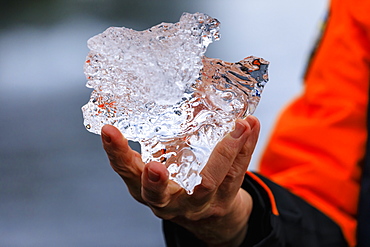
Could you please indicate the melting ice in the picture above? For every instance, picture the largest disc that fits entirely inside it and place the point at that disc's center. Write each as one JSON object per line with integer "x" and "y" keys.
{"x": 157, "y": 87}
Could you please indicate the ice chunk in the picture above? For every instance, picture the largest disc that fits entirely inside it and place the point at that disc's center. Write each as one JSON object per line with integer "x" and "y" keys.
{"x": 159, "y": 89}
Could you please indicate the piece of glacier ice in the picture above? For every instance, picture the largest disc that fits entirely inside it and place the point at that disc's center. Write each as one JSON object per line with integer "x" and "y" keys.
{"x": 157, "y": 87}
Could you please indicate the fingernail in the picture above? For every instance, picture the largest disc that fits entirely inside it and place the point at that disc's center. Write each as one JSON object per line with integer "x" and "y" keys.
{"x": 251, "y": 121}
{"x": 153, "y": 176}
{"x": 238, "y": 131}
{"x": 106, "y": 138}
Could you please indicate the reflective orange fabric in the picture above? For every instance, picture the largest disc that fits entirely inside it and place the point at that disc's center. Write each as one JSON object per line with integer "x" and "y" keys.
{"x": 319, "y": 141}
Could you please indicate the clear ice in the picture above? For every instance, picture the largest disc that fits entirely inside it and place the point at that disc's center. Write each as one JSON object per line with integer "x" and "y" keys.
{"x": 157, "y": 87}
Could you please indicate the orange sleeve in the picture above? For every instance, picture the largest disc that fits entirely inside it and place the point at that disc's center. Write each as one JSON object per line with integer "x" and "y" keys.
{"x": 319, "y": 141}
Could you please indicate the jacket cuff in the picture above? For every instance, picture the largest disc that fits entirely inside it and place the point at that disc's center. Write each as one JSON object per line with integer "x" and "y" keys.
{"x": 261, "y": 221}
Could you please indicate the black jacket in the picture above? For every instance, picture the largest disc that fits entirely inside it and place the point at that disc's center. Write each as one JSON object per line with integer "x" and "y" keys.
{"x": 298, "y": 223}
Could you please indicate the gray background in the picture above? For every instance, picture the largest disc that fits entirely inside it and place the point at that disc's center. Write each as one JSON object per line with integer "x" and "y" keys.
{"x": 56, "y": 186}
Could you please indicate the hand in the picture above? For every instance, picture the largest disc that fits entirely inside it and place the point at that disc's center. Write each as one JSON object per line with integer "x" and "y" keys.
{"x": 218, "y": 210}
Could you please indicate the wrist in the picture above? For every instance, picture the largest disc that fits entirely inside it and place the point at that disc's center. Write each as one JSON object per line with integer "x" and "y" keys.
{"x": 228, "y": 229}
{"x": 239, "y": 217}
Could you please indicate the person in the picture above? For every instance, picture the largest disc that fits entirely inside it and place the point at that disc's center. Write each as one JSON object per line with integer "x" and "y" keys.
{"x": 307, "y": 189}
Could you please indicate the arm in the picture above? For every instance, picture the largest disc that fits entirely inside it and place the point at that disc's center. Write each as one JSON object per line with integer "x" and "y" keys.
{"x": 279, "y": 218}
{"x": 218, "y": 211}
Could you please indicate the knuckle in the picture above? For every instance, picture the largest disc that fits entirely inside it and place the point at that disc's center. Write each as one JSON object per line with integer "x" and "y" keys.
{"x": 122, "y": 171}
{"x": 208, "y": 185}
{"x": 162, "y": 213}
{"x": 154, "y": 200}
{"x": 158, "y": 205}
{"x": 234, "y": 174}
{"x": 226, "y": 152}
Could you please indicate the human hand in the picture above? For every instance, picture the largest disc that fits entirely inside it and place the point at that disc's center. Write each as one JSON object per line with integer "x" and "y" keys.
{"x": 218, "y": 210}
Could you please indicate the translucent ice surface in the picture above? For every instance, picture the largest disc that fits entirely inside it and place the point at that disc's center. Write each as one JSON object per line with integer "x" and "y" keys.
{"x": 157, "y": 87}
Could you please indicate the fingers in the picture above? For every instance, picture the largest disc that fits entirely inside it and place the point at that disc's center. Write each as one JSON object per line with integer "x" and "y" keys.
{"x": 245, "y": 154}
{"x": 125, "y": 161}
{"x": 159, "y": 192}
{"x": 231, "y": 157}
{"x": 222, "y": 157}
{"x": 154, "y": 181}
{"x": 235, "y": 175}
{"x": 150, "y": 184}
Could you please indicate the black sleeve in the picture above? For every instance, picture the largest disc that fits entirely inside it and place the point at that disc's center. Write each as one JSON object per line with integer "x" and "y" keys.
{"x": 297, "y": 224}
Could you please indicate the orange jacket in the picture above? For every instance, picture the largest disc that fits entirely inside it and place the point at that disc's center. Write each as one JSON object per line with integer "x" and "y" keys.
{"x": 319, "y": 141}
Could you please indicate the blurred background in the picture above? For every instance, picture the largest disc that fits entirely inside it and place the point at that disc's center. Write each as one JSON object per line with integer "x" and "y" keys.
{"x": 56, "y": 186}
